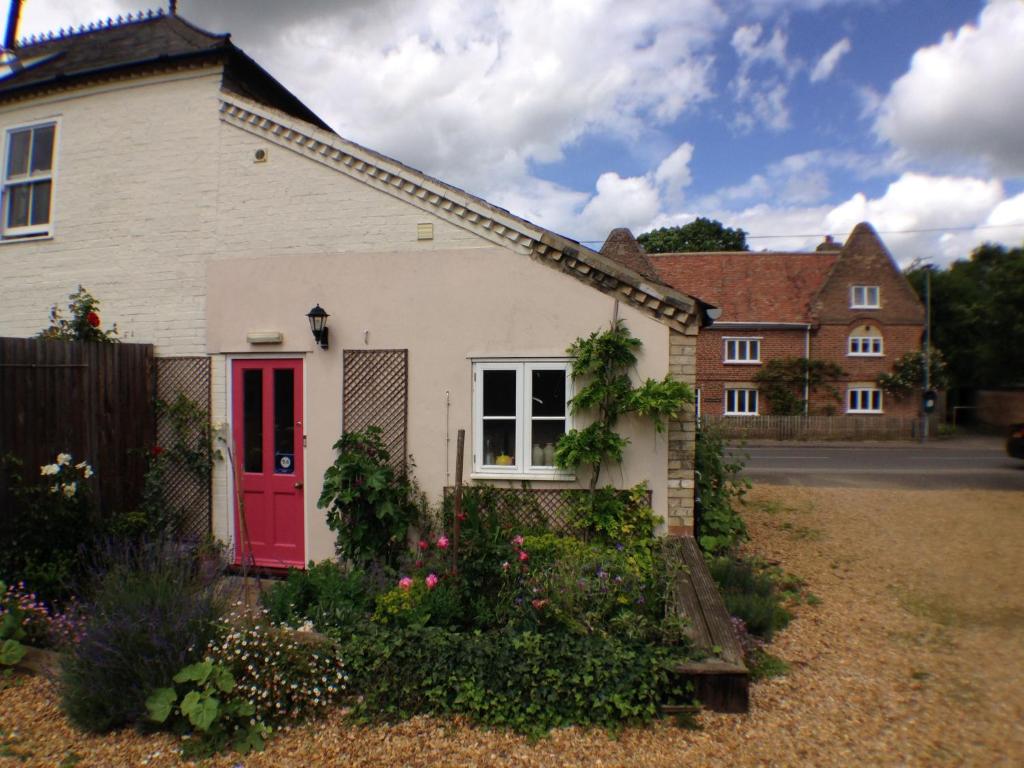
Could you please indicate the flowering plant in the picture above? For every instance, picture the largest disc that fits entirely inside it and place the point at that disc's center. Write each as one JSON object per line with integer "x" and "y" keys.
{"x": 43, "y": 627}
{"x": 64, "y": 478}
{"x": 84, "y": 324}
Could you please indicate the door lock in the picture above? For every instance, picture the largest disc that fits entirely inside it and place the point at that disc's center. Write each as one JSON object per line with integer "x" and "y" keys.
{"x": 298, "y": 485}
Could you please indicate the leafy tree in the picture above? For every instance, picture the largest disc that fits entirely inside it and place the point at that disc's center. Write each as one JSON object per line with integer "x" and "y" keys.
{"x": 907, "y": 374}
{"x": 977, "y": 317}
{"x": 605, "y": 359}
{"x": 783, "y": 380}
{"x": 84, "y": 324}
{"x": 699, "y": 235}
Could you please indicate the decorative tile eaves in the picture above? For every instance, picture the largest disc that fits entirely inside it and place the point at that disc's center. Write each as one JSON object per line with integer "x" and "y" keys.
{"x": 460, "y": 209}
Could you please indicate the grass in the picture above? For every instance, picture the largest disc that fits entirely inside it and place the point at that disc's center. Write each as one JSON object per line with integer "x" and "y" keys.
{"x": 764, "y": 665}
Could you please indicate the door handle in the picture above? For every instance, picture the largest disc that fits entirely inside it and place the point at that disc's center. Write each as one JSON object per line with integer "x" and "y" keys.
{"x": 298, "y": 485}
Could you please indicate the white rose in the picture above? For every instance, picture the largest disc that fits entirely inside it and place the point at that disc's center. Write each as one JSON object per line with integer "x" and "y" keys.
{"x": 49, "y": 469}
{"x": 69, "y": 489}
{"x": 64, "y": 458}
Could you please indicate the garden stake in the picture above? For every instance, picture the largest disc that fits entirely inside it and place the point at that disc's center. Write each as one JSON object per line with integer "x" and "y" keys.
{"x": 460, "y": 446}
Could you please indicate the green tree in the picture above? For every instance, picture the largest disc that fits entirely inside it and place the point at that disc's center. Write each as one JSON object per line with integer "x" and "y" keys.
{"x": 604, "y": 359}
{"x": 977, "y": 316}
{"x": 699, "y": 235}
{"x": 783, "y": 380}
{"x": 907, "y": 375}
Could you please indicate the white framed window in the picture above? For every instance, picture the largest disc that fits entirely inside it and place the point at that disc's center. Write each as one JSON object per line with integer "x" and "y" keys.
{"x": 867, "y": 343}
{"x": 864, "y": 400}
{"x": 864, "y": 297}
{"x": 740, "y": 402}
{"x": 746, "y": 350}
{"x": 28, "y": 179}
{"x": 520, "y": 411}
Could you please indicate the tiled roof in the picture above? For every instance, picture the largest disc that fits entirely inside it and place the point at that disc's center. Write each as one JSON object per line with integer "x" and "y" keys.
{"x": 149, "y": 42}
{"x": 749, "y": 286}
{"x": 623, "y": 247}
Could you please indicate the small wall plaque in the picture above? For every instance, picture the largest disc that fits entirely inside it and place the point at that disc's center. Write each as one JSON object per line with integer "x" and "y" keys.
{"x": 264, "y": 337}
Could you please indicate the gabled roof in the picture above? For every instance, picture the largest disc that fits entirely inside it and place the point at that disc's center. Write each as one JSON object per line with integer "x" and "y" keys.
{"x": 750, "y": 286}
{"x": 142, "y": 44}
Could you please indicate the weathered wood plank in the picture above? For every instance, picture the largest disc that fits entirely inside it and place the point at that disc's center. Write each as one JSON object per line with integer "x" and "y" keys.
{"x": 716, "y": 616}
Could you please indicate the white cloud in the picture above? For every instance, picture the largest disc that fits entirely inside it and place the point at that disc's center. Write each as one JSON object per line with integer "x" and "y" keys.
{"x": 961, "y": 98}
{"x": 620, "y": 202}
{"x": 829, "y": 60}
{"x": 674, "y": 171}
{"x": 761, "y": 84}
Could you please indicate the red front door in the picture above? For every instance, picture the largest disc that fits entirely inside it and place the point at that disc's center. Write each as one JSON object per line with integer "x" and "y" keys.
{"x": 267, "y": 424}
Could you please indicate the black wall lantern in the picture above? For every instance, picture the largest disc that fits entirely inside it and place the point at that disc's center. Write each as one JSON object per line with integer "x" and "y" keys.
{"x": 318, "y": 324}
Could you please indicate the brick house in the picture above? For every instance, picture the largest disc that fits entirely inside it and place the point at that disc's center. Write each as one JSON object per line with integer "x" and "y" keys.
{"x": 849, "y": 305}
{"x": 209, "y": 210}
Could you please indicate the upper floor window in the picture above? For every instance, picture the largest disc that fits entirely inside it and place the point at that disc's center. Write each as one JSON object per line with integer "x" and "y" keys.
{"x": 28, "y": 180}
{"x": 742, "y": 350}
{"x": 521, "y": 410}
{"x": 865, "y": 342}
{"x": 864, "y": 297}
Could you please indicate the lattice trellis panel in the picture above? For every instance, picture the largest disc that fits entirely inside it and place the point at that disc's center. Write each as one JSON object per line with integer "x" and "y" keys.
{"x": 375, "y": 393}
{"x": 192, "y": 495}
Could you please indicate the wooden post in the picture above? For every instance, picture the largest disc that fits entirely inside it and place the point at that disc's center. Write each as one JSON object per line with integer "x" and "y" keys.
{"x": 460, "y": 445}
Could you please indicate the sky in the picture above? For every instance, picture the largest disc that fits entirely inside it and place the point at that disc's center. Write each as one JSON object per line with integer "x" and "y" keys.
{"x": 791, "y": 119}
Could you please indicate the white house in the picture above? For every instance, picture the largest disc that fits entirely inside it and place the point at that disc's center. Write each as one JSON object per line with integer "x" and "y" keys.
{"x": 209, "y": 210}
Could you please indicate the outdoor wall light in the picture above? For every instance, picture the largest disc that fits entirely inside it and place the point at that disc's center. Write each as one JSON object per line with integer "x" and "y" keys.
{"x": 318, "y": 324}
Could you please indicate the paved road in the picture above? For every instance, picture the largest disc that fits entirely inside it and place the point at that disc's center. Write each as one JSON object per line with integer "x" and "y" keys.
{"x": 958, "y": 463}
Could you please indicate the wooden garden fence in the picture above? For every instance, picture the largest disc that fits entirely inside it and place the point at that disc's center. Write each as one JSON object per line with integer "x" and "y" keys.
{"x": 841, "y": 427}
{"x": 94, "y": 401}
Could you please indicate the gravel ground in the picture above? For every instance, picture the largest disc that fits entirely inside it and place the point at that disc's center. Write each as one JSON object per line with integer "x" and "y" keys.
{"x": 914, "y": 656}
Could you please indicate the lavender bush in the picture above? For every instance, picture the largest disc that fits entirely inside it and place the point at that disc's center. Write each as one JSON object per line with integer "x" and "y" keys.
{"x": 151, "y": 612}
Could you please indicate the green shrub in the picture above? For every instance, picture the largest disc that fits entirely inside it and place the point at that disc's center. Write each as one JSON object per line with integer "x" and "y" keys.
{"x": 150, "y": 614}
{"x": 613, "y": 516}
{"x": 526, "y": 681}
{"x": 422, "y": 601}
{"x": 720, "y": 486}
{"x": 334, "y": 601}
{"x": 752, "y": 594}
{"x": 370, "y": 507}
{"x": 285, "y": 675}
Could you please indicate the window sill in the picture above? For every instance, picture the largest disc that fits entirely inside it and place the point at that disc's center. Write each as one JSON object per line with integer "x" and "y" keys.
{"x": 741, "y": 362}
{"x": 741, "y": 415}
{"x": 858, "y": 306}
{"x": 558, "y": 476}
{"x": 861, "y": 354}
{"x": 24, "y": 239}
{"x": 865, "y": 413}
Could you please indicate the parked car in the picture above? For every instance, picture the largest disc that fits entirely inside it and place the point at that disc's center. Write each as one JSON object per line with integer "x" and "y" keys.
{"x": 1015, "y": 442}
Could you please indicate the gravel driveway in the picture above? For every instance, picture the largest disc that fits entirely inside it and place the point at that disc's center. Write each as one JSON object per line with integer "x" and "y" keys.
{"x": 915, "y": 656}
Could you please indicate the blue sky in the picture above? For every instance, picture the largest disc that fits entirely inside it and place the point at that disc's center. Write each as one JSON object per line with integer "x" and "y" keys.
{"x": 789, "y": 118}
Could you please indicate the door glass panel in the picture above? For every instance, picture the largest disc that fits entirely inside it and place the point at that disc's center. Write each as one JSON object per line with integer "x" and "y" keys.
{"x": 252, "y": 404}
{"x": 284, "y": 421}
{"x": 499, "y": 393}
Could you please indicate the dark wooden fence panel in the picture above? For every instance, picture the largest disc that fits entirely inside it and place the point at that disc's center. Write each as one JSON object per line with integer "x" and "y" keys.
{"x": 94, "y": 401}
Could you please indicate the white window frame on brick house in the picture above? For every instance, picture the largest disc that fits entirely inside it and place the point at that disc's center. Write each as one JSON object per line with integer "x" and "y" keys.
{"x": 866, "y": 342}
{"x": 864, "y": 398}
{"x": 741, "y": 350}
{"x": 523, "y": 466}
{"x": 29, "y": 179}
{"x": 740, "y": 401}
{"x": 865, "y": 297}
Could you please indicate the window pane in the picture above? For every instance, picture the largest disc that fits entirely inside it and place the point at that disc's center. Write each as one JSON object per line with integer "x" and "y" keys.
{"x": 499, "y": 393}
{"x": 284, "y": 421}
{"x": 546, "y": 434}
{"x": 876, "y": 400}
{"x": 548, "y": 391}
{"x": 853, "y": 400}
{"x": 17, "y": 152}
{"x": 751, "y": 401}
{"x": 42, "y": 149}
{"x": 17, "y": 205}
{"x": 730, "y": 350}
{"x": 252, "y": 405}
{"x": 755, "y": 350}
{"x": 41, "y": 202}
{"x": 500, "y": 442}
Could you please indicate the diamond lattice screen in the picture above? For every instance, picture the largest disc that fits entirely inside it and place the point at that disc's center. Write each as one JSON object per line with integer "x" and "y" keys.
{"x": 375, "y": 394}
{"x": 188, "y": 376}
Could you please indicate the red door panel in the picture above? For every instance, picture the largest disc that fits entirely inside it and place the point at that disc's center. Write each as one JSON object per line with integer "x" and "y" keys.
{"x": 267, "y": 426}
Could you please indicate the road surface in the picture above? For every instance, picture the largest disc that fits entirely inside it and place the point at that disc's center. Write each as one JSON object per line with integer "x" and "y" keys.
{"x": 946, "y": 464}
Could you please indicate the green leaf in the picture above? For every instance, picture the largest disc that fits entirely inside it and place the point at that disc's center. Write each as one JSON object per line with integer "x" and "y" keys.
{"x": 200, "y": 708}
{"x": 223, "y": 679}
{"x": 11, "y": 652}
{"x": 160, "y": 703}
{"x": 198, "y": 673}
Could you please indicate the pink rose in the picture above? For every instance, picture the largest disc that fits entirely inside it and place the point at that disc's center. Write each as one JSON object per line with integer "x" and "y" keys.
{"x": 523, "y": 557}
{"x": 442, "y": 542}
{"x": 405, "y": 583}
{"x": 517, "y": 541}
{"x": 424, "y": 546}
{"x": 431, "y": 581}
